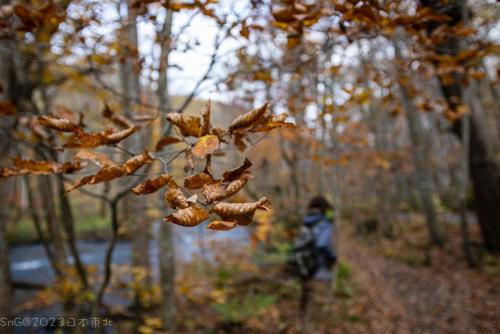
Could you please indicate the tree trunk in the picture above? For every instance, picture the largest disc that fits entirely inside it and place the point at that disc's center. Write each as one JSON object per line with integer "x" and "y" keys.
{"x": 167, "y": 255}
{"x": 4, "y": 261}
{"x": 130, "y": 72}
{"x": 45, "y": 190}
{"x": 68, "y": 222}
{"x": 5, "y": 293}
{"x": 423, "y": 171}
{"x": 484, "y": 166}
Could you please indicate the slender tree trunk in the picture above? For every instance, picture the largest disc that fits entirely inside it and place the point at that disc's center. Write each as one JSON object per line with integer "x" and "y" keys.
{"x": 130, "y": 72}
{"x": 484, "y": 165}
{"x": 167, "y": 255}
{"x": 68, "y": 222}
{"x": 37, "y": 223}
{"x": 5, "y": 310}
{"x": 422, "y": 164}
{"x": 45, "y": 190}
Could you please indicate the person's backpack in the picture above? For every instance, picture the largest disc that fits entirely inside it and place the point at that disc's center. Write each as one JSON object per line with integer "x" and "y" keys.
{"x": 303, "y": 259}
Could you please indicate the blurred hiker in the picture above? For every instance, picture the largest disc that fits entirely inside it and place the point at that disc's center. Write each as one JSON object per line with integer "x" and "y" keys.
{"x": 313, "y": 254}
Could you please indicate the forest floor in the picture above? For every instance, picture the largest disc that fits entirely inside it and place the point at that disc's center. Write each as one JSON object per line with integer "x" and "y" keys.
{"x": 402, "y": 288}
{"x": 383, "y": 286}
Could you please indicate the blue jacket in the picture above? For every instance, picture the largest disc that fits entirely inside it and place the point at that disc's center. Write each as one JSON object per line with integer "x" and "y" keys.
{"x": 323, "y": 232}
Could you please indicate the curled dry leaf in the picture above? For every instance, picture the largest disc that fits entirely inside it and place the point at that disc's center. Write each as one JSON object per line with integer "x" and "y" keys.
{"x": 36, "y": 167}
{"x": 117, "y": 137}
{"x": 136, "y": 162}
{"x": 214, "y": 191}
{"x": 24, "y": 167}
{"x": 197, "y": 181}
{"x": 189, "y": 217}
{"x": 188, "y": 125}
{"x": 219, "y": 132}
{"x": 116, "y": 119}
{"x": 205, "y": 145}
{"x": 232, "y": 182}
{"x": 241, "y": 213}
{"x": 151, "y": 185}
{"x": 189, "y": 166}
{"x": 93, "y": 139}
{"x": 98, "y": 158}
{"x": 60, "y": 124}
{"x": 85, "y": 140}
{"x": 205, "y": 114}
{"x": 240, "y": 142}
{"x": 175, "y": 197}
{"x": 248, "y": 119}
{"x": 71, "y": 166}
{"x": 165, "y": 141}
{"x": 236, "y": 172}
{"x": 220, "y": 225}
{"x": 110, "y": 172}
{"x": 104, "y": 174}
{"x": 272, "y": 122}
{"x": 236, "y": 185}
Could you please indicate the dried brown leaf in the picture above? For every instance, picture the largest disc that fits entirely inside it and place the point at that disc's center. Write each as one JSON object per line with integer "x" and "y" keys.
{"x": 197, "y": 181}
{"x": 151, "y": 185}
{"x": 220, "y": 225}
{"x": 60, "y": 124}
{"x": 98, "y": 158}
{"x": 241, "y": 213}
{"x": 136, "y": 162}
{"x": 248, "y": 119}
{"x": 175, "y": 197}
{"x": 214, "y": 191}
{"x": 205, "y": 145}
{"x": 234, "y": 173}
{"x": 165, "y": 141}
{"x": 116, "y": 119}
{"x": 116, "y": 137}
{"x": 205, "y": 114}
{"x": 189, "y": 217}
{"x": 188, "y": 125}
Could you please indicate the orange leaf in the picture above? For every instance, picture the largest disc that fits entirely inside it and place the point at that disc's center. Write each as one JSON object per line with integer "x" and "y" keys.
{"x": 220, "y": 225}
{"x": 241, "y": 213}
{"x": 151, "y": 185}
{"x": 116, "y": 119}
{"x": 165, "y": 141}
{"x": 60, "y": 124}
{"x": 214, "y": 191}
{"x": 188, "y": 125}
{"x": 197, "y": 181}
{"x": 136, "y": 162}
{"x": 175, "y": 197}
{"x": 117, "y": 137}
{"x": 189, "y": 217}
{"x": 205, "y": 145}
{"x": 248, "y": 119}
{"x": 205, "y": 114}
{"x": 236, "y": 172}
{"x": 98, "y": 158}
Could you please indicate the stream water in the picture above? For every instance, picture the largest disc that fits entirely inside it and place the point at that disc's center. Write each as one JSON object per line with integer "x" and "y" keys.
{"x": 30, "y": 266}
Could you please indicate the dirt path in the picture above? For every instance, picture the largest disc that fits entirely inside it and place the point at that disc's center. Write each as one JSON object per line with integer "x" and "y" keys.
{"x": 397, "y": 298}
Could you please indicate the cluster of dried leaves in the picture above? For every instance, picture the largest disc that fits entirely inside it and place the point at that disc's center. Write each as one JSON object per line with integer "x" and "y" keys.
{"x": 189, "y": 210}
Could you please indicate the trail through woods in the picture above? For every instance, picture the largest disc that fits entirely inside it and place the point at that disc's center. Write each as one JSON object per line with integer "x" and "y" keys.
{"x": 394, "y": 297}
